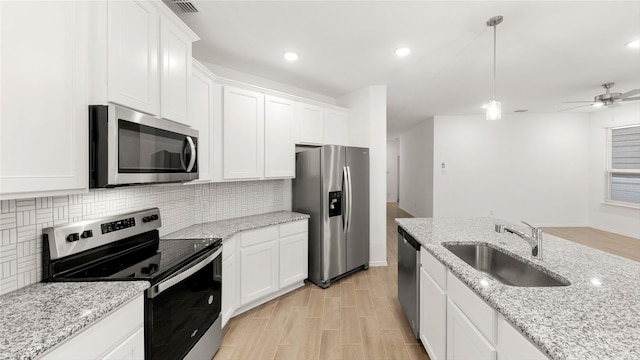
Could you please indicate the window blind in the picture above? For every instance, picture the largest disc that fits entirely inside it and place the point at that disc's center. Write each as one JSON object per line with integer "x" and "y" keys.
{"x": 625, "y": 164}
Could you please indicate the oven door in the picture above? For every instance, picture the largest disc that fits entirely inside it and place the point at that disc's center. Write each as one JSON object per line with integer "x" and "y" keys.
{"x": 183, "y": 307}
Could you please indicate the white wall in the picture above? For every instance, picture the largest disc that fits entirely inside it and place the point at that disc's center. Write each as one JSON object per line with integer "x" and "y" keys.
{"x": 368, "y": 128}
{"x": 416, "y": 169}
{"x": 617, "y": 219}
{"x": 393, "y": 151}
{"x": 531, "y": 167}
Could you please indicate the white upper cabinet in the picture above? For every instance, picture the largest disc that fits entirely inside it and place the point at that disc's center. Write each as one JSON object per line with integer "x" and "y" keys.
{"x": 243, "y": 126}
{"x": 200, "y": 112}
{"x": 320, "y": 125}
{"x": 141, "y": 58}
{"x": 133, "y": 39}
{"x": 176, "y": 72}
{"x": 43, "y": 106}
{"x": 279, "y": 147}
{"x": 310, "y": 124}
{"x": 335, "y": 127}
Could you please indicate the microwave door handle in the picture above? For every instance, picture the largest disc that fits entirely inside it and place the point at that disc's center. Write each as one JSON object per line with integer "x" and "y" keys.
{"x": 191, "y": 269}
{"x": 192, "y": 160}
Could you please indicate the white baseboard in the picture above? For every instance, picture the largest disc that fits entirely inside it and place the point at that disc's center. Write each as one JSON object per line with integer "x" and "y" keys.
{"x": 378, "y": 263}
{"x": 258, "y": 302}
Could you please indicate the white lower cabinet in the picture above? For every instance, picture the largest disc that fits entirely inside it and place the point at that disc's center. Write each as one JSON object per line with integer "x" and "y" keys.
{"x": 262, "y": 264}
{"x": 120, "y": 335}
{"x": 258, "y": 270}
{"x": 230, "y": 278}
{"x": 464, "y": 341}
{"x": 129, "y": 349}
{"x": 433, "y": 317}
{"x": 512, "y": 345}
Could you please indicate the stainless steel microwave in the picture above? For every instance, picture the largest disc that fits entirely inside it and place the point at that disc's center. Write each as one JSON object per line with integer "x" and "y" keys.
{"x": 128, "y": 148}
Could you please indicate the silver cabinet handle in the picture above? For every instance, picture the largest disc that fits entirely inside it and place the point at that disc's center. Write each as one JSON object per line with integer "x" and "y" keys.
{"x": 191, "y": 269}
{"x": 192, "y": 161}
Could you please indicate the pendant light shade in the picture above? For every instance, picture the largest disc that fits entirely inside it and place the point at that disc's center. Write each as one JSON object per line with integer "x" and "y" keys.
{"x": 494, "y": 107}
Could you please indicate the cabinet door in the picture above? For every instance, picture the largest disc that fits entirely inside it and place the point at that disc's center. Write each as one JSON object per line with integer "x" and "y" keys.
{"x": 243, "y": 126}
{"x": 43, "y": 111}
{"x": 335, "y": 127}
{"x": 433, "y": 317}
{"x": 258, "y": 271}
{"x": 464, "y": 341}
{"x": 293, "y": 259}
{"x": 310, "y": 122}
{"x": 279, "y": 147}
{"x": 201, "y": 117}
{"x": 133, "y": 39}
{"x": 176, "y": 73}
{"x": 131, "y": 348}
{"x": 229, "y": 287}
{"x": 512, "y": 345}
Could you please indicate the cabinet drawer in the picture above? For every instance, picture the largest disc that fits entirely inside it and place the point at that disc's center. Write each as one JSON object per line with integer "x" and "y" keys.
{"x": 258, "y": 236}
{"x": 479, "y": 313}
{"x": 434, "y": 268}
{"x": 293, "y": 228}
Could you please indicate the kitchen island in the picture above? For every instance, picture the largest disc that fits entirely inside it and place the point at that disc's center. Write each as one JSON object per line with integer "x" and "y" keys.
{"x": 597, "y": 316}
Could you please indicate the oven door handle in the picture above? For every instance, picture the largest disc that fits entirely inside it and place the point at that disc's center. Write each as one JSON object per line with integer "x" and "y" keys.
{"x": 192, "y": 268}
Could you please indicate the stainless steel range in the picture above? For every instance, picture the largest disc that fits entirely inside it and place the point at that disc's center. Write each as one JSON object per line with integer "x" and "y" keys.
{"x": 183, "y": 304}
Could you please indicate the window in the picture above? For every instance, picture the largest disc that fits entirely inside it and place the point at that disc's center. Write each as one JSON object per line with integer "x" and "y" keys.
{"x": 624, "y": 165}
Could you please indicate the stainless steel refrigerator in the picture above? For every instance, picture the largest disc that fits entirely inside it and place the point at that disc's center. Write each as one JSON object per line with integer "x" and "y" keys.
{"x": 332, "y": 186}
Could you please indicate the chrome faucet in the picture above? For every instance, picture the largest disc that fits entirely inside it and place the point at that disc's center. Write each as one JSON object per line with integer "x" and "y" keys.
{"x": 535, "y": 239}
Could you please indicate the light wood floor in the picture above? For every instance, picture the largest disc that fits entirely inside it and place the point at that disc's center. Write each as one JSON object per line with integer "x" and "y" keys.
{"x": 358, "y": 317}
{"x": 602, "y": 240}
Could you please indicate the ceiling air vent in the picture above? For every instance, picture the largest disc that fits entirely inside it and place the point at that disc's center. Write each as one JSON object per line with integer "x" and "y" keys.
{"x": 183, "y": 6}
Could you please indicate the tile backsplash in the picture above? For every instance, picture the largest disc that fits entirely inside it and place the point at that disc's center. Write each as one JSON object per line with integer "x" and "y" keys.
{"x": 22, "y": 221}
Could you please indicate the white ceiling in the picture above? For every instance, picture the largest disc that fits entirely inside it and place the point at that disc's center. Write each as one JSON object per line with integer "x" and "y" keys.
{"x": 547, "y": 52}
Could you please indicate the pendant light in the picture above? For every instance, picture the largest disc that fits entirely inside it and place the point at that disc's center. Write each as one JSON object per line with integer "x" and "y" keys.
{"x": 494, "y": 108}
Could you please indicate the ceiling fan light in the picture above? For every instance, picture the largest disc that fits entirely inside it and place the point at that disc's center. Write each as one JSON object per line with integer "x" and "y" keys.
{"x": 494, "y": 110}
{"x": 634, "y": 44}
{"x": 598, "y": 104}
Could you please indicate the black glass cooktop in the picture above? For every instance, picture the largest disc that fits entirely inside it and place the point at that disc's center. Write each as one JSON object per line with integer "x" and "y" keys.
{"x": 150, "y": 260}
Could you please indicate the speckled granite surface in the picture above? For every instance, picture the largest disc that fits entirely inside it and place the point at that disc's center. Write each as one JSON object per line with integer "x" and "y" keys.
{"x": 38, "y": 317}
{"x": 224, "y": 229}
{"x": 596, "y": 317}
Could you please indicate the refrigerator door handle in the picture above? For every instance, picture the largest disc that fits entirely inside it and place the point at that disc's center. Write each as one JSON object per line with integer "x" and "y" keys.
{"x": 349, "y": 200}
{"x": 345, "y": 189}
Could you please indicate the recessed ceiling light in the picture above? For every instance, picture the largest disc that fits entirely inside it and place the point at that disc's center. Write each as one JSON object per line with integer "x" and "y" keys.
{"x": 402, "y": 52}
{"x": 634, "y": 44}
{"x": 291, "y": 56}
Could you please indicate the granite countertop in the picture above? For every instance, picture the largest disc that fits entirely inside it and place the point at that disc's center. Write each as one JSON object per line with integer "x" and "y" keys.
{"x": 596, "y": 317}
{"x": 224, "y": 229}
{"x": 36, "y": 318}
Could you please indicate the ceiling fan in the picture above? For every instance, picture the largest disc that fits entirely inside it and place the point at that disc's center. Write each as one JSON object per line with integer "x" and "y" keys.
{"x": 607, "y": 99}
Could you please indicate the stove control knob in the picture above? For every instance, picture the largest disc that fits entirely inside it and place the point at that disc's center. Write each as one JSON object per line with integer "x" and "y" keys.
{"x": 73, "y": 237}
{"x": 87, "y": 234}
{"x": 153, "y": 267}
{"x": 145, "y": 270}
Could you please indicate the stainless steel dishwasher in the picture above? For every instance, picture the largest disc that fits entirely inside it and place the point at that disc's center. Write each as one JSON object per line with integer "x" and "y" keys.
{"x": 409, "y": 279}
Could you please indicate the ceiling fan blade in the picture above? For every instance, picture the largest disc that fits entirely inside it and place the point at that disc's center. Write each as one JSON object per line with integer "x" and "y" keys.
{"x": 571, "y": 102}
{"x": 576, "y": 107}
{"x": 631, "y": 98}
{"x": 629, "y": 93}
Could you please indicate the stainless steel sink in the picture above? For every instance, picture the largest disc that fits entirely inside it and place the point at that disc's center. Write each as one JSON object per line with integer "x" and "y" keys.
{"x": 502, "y": 267}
